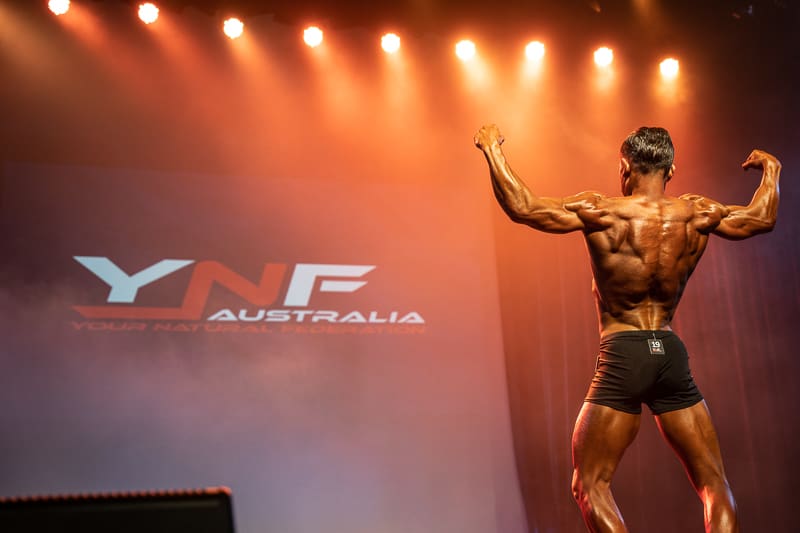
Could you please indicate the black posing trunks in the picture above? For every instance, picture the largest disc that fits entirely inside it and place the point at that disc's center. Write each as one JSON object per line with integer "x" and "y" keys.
{"x": 628, "y": 374}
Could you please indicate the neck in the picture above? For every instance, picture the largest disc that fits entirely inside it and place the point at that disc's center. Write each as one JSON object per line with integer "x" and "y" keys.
{"x": 650, "y": 185}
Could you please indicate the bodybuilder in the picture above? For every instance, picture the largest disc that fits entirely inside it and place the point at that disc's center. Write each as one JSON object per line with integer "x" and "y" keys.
{"x": 643, "y": 247}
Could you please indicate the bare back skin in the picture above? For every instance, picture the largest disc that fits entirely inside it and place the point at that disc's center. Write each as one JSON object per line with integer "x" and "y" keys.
{"x": 642, "y": 252}
{"x": 643, "y": 247}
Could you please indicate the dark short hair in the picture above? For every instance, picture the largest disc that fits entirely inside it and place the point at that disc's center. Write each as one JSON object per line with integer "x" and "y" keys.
{"x": 648, "y": 149}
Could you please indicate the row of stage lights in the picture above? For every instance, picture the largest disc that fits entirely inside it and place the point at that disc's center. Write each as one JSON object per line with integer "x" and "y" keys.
{"x": 390, "y": 42}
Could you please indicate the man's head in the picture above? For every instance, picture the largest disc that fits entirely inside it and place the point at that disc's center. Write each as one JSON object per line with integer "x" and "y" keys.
{"x": 645, "y": 151}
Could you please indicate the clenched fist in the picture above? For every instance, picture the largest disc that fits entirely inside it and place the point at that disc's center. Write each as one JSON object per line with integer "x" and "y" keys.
{"x": 487, "y": 136}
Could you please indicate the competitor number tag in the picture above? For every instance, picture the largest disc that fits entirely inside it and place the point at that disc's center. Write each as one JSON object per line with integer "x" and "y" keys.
{"x": 656, "y": 346}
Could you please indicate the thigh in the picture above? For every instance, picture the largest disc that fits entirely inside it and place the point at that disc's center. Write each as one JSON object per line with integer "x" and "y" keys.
{"x": 691, "y": 434}
{"x": 601, "y": 436}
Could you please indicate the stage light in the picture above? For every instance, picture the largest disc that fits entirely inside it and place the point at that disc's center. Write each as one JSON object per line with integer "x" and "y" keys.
{"x": 465, "y": 50}
{"x": 534, "y": 51}
{"x": 669, "y": 68}
{"x": 233, "y": 28}
{"x": 148, "y": 13}
{"x": 603, "y": 56}
{"x": 59, "y": 7}
{"x": 312, "y": 36}
{"x": 390, "y": 43}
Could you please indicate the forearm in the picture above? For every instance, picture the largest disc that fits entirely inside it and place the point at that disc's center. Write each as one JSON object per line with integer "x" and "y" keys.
{"x": 512, "y": 194}
{"x": 760, "y": 215}
{"x": 763, "y": 208}
{"x": 516, "y": 199}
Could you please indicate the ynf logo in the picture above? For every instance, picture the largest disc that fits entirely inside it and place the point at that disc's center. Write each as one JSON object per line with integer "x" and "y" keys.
{"x": 305, "y": 279}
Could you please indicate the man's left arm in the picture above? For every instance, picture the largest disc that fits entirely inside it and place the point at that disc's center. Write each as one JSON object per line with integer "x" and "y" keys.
{"x": 762, "y": 212}
{"x": 738, "y": 222}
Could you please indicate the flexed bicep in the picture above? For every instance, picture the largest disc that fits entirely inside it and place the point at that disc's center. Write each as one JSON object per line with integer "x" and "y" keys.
{"x": 741, "y": 223}
{"x": 737, "y": 222}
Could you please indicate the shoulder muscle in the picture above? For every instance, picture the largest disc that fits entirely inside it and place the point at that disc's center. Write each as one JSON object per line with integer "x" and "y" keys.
{"x": 591, "y": 208}
{"x": 708, "y": 213}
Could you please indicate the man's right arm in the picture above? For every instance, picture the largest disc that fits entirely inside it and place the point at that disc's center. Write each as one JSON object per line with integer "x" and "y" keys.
{"x": 737, "y": 222}
{"x": 553, "y": 215}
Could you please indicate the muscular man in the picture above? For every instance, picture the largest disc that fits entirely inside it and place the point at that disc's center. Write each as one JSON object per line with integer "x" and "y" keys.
{"x": 643, "y": 247}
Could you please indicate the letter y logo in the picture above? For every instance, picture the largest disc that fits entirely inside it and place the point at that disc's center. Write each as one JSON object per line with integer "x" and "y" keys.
{"x": 123, "y": 286}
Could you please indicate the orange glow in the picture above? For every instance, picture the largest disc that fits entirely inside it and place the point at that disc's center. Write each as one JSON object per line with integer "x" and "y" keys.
{"x": 390, "y": 43}
{"x": 603, "y": 56}
{"x": 148, "y": 12}
{"x": 233, "y": 28}
{"x": 59, "y": 7}
{"x": 669, "y": 68}
{"x": 534, "y": 51}
{"x": 465, "y": 50}
{"x": 312, "y": 36}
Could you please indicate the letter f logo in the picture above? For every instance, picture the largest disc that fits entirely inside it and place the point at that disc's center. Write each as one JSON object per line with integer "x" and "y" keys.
{"x": 305, "y": 275}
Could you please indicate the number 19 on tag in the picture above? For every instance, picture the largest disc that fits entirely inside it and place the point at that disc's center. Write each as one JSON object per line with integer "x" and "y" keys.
{"x": 656, "y": 347}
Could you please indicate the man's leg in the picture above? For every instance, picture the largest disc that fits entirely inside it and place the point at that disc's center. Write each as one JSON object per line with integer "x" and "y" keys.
{"x": 600, "y": 438}
{"x": 691, "y": 434}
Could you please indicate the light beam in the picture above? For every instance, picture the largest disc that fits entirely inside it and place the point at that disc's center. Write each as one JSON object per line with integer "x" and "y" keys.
{"x": 534, "y": 51}
{"x": 390, "y": 43}
{"x": 603, "y": 56}
{"x": 669, "y": 68}
{"x": 465, "y": 50}
{"x": 58, "y": 7}
{"x": 233, "y": 28}
{"x": 148, "y": 12}
{"x": 312, "y": 36}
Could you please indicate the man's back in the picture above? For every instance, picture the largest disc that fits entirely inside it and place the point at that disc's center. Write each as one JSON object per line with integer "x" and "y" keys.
{"x": 643, "y": 250}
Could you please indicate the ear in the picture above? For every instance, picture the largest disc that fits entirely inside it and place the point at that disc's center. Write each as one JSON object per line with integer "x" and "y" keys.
{"x": 670, "y": 173}
{"x": 624, "y": 167}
